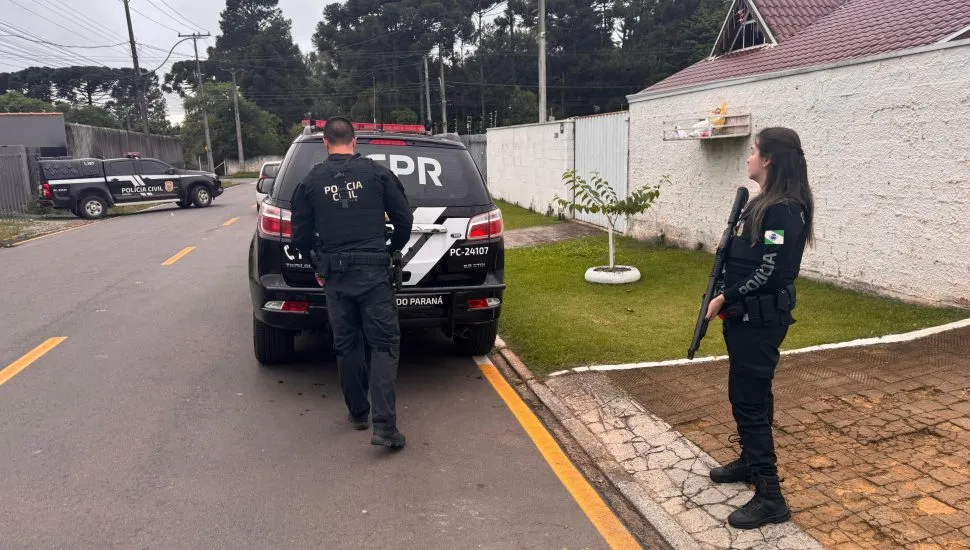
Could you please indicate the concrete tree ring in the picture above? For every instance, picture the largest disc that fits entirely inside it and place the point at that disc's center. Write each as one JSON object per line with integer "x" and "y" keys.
{"x": 623, "y": 274}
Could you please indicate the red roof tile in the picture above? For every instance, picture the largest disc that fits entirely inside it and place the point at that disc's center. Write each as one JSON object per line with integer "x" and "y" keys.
{"x": 786, "y": 17}
{"x": 858, "y": 28}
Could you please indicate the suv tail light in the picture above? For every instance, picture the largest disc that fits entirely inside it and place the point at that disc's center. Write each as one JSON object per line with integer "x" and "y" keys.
{"x": 46, "y": 190}
{"x": 485, "y": 226}
{"x": 275, "y": 222}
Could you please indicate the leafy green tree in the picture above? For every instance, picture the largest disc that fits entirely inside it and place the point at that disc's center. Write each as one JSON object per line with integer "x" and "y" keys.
{"x": 257, "y": 43}
{"x": 16, "y": 102}
{"x": 404, "y": 116}
{"x": 261, "y": 133}
{"x": 93, "y": 115}
{"x": 598, "y": 197}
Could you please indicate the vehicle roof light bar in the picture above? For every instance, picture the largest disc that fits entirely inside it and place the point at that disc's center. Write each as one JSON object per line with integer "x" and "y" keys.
{"x": 380, "y": 127}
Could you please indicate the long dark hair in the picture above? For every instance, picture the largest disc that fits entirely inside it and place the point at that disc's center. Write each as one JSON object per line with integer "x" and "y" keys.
{"x": 787, "y": 177}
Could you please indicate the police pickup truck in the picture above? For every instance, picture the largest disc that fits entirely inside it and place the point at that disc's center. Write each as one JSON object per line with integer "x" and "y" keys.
{"x": 88, "y": 187}
{"x": 453, "y": 276}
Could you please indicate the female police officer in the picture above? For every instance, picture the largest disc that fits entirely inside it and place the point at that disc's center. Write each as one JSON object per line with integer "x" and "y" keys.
{"x": 756, "y": 305}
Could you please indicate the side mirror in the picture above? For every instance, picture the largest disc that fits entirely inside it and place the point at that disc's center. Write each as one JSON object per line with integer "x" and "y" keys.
{"x": 171, "y": 171}
{"x": 265, "y": 186}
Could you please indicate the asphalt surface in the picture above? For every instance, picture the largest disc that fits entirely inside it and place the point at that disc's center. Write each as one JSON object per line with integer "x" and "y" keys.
{"x": 153, "y": 426}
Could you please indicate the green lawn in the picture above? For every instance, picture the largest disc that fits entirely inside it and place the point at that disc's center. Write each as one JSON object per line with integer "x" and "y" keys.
{"x": 554, "y": 319}
{"x": 517, "y": 217}
{"x": 244, "y": 175}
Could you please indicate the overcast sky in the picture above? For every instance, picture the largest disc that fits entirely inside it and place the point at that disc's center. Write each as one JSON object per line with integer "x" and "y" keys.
{"x": 102, "y": 22}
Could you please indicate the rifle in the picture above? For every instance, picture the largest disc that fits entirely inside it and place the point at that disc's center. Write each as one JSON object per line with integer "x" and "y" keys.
{"x": 714, "y": 280}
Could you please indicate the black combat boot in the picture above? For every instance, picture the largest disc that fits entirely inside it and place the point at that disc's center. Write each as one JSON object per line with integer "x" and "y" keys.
{"x": 394, "y": 439}
{"x": 767, "y": 506}
{"x": 360, "y": 424}
{"x": 733, "y": 472}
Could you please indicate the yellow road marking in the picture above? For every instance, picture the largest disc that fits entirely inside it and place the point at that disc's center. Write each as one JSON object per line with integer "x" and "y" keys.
{"x": 25, "y": 361}
{"x": 179, "y": 256}
{"x": 230, "y": 222}
{"x": 606, "y": 522}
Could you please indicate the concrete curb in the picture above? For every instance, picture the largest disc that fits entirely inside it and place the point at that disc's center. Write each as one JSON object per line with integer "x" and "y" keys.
{"x": 653, "y": 513}
{"x": 860, "y": 342}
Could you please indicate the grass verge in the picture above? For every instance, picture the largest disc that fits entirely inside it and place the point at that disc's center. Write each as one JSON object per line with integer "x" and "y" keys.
{"x": 554, "y": 319}
{"x": 19, "y": 230}
{"x": 516, "y": 217}
{"x": 244, "y": 175}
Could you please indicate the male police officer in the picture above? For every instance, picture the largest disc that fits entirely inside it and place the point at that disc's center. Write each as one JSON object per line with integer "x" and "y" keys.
{"x": 343, "y": 201}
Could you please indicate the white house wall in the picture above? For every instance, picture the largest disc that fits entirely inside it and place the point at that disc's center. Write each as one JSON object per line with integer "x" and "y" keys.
{"x": 888, "y": 149}
{"x": 526, "y": 163}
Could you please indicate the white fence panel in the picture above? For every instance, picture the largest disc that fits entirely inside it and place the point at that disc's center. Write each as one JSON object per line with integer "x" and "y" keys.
{"x": 601, "y": 148}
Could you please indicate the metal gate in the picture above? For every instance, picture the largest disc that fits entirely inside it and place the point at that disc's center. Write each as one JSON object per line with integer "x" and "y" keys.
{"x": 14, "y": 180}
{"x": 601, "y": 148}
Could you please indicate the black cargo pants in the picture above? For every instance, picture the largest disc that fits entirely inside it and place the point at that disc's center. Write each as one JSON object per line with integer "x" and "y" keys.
{"x": 363, "y": 313}
{"x": 753, "y": 352}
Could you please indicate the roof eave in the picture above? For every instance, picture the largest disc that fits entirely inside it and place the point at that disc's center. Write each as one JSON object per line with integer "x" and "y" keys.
{"x": 734, "y": 81}
{"x": 953, "y": 37}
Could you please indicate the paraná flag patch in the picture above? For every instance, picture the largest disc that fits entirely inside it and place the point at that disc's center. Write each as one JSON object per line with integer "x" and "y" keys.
{"x": 775, "y": 236}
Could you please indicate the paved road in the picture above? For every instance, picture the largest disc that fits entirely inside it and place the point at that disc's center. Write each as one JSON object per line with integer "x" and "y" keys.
{"x": 152, "y": 425}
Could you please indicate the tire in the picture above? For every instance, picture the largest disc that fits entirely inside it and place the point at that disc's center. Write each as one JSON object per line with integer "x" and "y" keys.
{"x": 201, "y": 196}
{"x": 479, "y": 341}
{"x": 92, "y": 207}
{"x": 272, "y": 345}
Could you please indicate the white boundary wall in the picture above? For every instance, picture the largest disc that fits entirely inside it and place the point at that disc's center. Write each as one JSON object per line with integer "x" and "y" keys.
{"x": 889, "y": 162}
{"x": 526, "y": 163}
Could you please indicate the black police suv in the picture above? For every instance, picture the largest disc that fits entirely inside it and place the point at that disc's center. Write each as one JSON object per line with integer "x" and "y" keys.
{"x": 88, "y": 187}
{"x": 453, "y": 273}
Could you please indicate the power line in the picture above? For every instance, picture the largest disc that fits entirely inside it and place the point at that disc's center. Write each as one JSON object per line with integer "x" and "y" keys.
{"x": 73, "y": 54}
{"x": 181, "y": 19}
{"x": 79, "y": 17}
{"x": 62, "y": 45}
{"x": 150, "y": 19}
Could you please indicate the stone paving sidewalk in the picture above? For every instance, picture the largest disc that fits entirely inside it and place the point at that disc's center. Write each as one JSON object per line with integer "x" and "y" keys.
{"x": 673, "y": 471}
{"x": 873, "y": 442}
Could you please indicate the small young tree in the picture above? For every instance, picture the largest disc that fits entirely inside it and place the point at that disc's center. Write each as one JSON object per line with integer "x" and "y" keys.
{"x": 598, "y": 197}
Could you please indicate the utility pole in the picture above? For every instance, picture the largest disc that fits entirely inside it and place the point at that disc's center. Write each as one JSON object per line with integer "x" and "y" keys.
{"x": 235, "y": 102}
{"x": 374, "y": 106}
{"x": 205, "y": 116}
{"x": 139, "y": 93}
{"x": 542, "y": 60}
{"x": 421, "y": 94}
{"x": 444, "y": 108}
{"x": 481, "y": 66}
{"x": 427, "y": 87}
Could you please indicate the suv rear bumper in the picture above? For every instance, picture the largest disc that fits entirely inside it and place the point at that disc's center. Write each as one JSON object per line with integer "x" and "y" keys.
{"x": 417, "y": 307}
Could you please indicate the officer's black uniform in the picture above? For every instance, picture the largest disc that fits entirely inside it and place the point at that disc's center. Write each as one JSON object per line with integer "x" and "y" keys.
{"x": 759, "y": 297}
{"x": 343, "y": 201}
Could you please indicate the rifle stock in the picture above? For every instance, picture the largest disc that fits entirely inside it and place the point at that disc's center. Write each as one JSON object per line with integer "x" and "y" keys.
{"x": 700, "y": 327}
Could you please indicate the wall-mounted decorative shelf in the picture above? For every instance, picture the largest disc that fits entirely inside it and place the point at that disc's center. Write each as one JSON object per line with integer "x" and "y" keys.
{"x": 707, "y": 127}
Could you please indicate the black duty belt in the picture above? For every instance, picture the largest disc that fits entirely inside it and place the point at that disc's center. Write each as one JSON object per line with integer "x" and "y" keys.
{"x": 763, "y": 308}
{"x": 342, "y": 261}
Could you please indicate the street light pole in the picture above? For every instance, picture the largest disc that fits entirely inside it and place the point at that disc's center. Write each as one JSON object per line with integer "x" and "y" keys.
{"x": 542, "y": 60}
{"x": 205, "y": 116}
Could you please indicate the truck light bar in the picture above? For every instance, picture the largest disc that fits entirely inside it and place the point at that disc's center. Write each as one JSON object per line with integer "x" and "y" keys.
{"x": 396, "y": 128}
